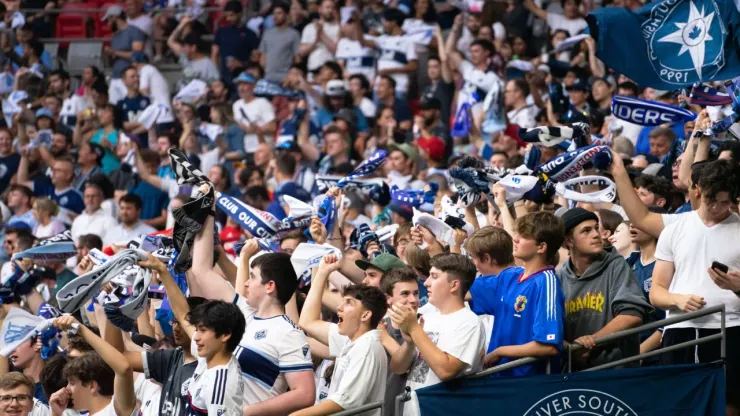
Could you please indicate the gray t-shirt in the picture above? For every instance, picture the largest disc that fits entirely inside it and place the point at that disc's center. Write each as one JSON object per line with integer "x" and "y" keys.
{"x": 123, "y": 40}
{"x": 280, "y": 47}
{"x": 203, "y": 69}
{"x": 395, "y": 383}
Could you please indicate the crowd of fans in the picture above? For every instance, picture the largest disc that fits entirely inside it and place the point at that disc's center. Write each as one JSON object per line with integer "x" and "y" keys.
{"x": 399, "y": 274}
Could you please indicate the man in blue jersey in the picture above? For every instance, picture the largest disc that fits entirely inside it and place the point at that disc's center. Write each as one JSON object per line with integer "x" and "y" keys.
{"x": 526, "y": 301}
{"x": 60, "y": 190}
{"x": 643, "y": 262}
{"x": 130, "y": 106}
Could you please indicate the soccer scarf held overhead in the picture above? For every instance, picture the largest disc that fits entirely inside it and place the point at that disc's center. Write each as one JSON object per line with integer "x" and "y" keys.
{"x": 648, "y": 113}
{"x": 57, "y": 248}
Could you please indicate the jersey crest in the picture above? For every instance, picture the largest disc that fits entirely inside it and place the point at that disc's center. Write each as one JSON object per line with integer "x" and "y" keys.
{"x": 520, "y": 303}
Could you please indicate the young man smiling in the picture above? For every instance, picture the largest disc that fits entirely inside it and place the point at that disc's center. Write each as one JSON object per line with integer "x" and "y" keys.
{"x": 215, "y": 327}
{"x": 527, "y": 302}
{"x": 361, "y": 362}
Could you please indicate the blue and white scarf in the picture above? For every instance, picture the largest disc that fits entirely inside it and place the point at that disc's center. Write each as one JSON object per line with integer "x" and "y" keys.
{"x": 57, "y": 248}
{"x": 648, "y": 113}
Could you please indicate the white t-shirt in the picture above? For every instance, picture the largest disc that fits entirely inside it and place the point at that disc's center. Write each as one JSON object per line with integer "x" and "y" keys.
{"x": 558, "y": 21}
{"x": 259, "y": 111}
{"x": 39, "y": 409}
{"x": 71, "y": 106}
{"x": 152, "y": 80}
{"x": 143, "y": 23}
{"x": 523, "y": 117}
{"x": 360, "y": 369}
{"x": 321, "y": 54}
{"x": 319, "y": 377}
{"x": 476, "y": 80}
{"x": 395, "y": 52}
{"x": 368, "y": 107}
{"x": 98, "y": 223}
{"x": 269, "y": 349}
{"x": 218, "y": 390}
{"x": 692, "y": 247}
{"x": 121, "y": 234}
{"x": 460, "y": 334}
{"x": 358, "y": 59}
{"x": 110, "y": 410}
{"x": 147, "y": 393}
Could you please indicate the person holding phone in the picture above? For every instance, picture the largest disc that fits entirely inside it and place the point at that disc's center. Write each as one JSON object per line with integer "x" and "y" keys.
{"x": 698, "y": 265}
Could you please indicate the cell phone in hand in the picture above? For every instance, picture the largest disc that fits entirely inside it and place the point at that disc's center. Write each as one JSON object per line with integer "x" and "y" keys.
{"x": 719, "y": 266}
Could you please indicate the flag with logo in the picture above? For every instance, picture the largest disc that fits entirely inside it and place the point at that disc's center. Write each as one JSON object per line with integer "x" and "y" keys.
{"x": 669, "y": 44}
{"x": 695, "y": 389}
{"x": 18, "y": 327}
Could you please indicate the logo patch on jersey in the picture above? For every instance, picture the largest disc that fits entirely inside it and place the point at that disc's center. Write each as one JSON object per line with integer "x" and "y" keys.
{"x": 184, "y": 387}
{"x": 260, "y": 334}
{"x": 520, "y": 303}
{"x": 305, "y": 350}
{"x": 220, "y": 412}
{"x": 647, "y": 284}
{"x": 63, "y": 200}
{"x": 322, "y": 395}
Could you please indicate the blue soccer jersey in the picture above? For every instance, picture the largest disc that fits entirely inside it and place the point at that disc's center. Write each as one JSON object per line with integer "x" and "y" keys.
{"x": 525, "y": 309}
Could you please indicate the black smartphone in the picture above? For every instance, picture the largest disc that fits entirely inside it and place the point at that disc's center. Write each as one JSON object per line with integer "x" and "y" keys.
{"x": 719, "y": 266}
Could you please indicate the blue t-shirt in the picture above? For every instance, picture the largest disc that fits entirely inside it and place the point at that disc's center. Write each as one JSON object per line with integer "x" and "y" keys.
{"x": 154, "y": 200}
{"x": 110, "y": 161}
{"x": 532, "y": 309}
{"x": 642, "y": 147}
{"x": 69, "y": 199}
{"x": 325, "y": 117}
{"x": 8, "y": 168}
{"x": 128, "y": 108}
{"x": 644, "y": 275}
{"x": 289, "y": 188}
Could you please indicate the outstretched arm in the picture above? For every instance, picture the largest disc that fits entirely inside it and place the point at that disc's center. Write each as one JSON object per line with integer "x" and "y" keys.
{"x": 124, "y": 397}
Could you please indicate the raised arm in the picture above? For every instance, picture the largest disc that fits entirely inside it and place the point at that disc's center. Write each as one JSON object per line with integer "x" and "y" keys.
{"x": 177, "y": 299}
{"x": 649, "y": 222}
{"x": 310, "y": 320}
{"x": 453, "y": 55}
{"x": 124, "y": 397}
{"x": 534, "y": 9}
{"x": 211, "y": 284}
{"x": 442, "y": 51}
{"x": 114, "y": 337}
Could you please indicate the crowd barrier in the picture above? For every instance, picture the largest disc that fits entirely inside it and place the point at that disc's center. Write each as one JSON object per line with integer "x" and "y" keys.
{"x": 599, "y": 341}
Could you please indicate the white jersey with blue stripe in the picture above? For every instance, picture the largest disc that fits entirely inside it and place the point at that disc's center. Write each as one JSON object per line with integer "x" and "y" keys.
{"x": 269, "y": 348}
{"x": 395, "y": 52}
{"x": 216, "y": 391}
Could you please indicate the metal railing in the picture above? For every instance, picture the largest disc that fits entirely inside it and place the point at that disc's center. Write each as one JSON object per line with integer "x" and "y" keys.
{"x": 362, "y": 409}
{"x": 406, "y": 396}
{"x": 72, "y": 10}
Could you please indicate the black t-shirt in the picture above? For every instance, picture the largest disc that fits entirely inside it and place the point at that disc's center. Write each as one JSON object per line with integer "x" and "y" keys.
{"x": 445, "y": 93}
{"x": 166, "y": 367}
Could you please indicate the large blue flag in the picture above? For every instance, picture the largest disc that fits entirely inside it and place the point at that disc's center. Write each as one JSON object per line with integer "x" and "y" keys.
{"x": 669, "y": 44}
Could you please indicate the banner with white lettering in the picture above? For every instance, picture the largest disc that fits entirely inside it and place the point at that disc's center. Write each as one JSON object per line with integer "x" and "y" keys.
{"x": 649, "y": 113}
{"x": 695, "y": 389}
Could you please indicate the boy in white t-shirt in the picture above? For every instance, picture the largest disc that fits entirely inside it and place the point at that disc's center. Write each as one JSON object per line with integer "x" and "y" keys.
{"x": 254, "y": 115}
{"x": 361, "y": 363}
{"x": 451, "y": 341}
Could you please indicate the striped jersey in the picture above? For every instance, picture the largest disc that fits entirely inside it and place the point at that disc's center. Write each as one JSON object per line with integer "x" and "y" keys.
{"x": 525, "y": 308}
{"x": 216, "y": 391}
{"x": 269, "y": 348}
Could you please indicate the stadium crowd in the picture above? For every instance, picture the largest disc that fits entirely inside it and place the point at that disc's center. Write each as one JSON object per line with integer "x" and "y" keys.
{"x": 339, "y": 201}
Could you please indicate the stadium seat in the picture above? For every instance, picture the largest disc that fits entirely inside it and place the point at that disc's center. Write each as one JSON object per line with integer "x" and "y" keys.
{"x": 82, "y": 5}
{"x": 70, "y": 26}
{"x": 84, "y": 54}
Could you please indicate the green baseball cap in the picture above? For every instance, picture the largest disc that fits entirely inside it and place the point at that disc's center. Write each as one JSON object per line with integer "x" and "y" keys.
{"x": 382, "y": 262}
{"x": 407, "y": 149}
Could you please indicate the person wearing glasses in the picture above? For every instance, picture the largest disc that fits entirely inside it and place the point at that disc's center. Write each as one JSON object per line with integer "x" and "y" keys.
{"x": 16, "y": 396}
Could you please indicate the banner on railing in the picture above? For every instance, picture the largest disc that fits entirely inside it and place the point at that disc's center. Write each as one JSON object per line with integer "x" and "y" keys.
{"x": 696, "y": 389}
